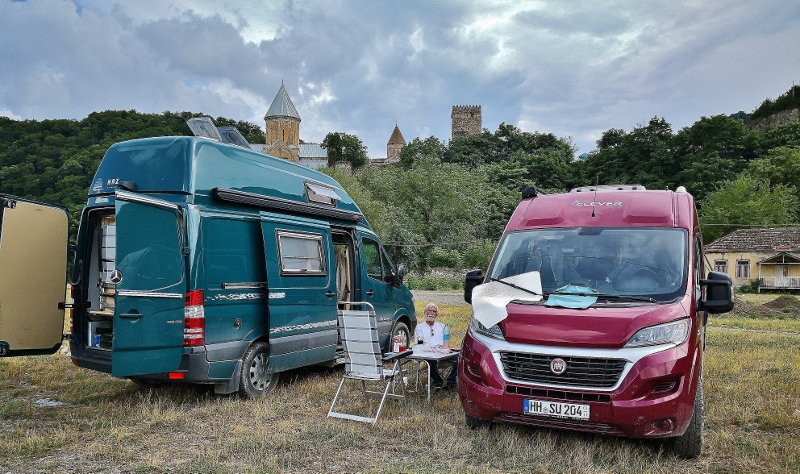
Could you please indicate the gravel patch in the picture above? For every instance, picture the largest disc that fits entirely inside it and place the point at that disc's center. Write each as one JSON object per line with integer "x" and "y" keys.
{"x": 439, "y": 297}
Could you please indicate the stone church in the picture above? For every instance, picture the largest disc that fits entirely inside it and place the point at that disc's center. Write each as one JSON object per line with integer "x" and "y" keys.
{"x": 283, "y": 137}
{"x": 283, "y": 134}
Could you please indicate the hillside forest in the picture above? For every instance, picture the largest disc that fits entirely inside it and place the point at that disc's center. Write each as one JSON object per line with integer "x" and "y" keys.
{"x": 445, "y": 204}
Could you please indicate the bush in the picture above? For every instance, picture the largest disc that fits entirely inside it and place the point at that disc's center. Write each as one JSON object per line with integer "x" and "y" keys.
{"x": 751, "y": 287}
{"x": 442, "y": 258}
{"x": 435, "y": 282}
{"x": 478, "y": 255}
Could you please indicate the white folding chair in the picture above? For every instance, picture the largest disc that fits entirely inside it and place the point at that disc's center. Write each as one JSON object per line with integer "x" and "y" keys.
{"x": 358, "y": 330}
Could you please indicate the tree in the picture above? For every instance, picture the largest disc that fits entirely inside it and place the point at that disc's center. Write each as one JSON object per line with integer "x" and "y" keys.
{"x": 417, "y": 149}
{"x": 434, "y": 204}
{"x": 345, "y": 148}
{"x": 643, "y": 156}
{"x": 746, "y": 201}
{"x": 711, "y": 151}
{"x": 780, "y": 166}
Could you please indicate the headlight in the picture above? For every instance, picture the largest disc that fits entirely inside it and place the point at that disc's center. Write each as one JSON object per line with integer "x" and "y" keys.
{"x": 479, "y": 328}
{"x": 669, "y": 333}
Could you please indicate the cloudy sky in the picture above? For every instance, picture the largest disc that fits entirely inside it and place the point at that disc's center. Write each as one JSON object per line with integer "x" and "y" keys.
{"x": 568, "y": 67}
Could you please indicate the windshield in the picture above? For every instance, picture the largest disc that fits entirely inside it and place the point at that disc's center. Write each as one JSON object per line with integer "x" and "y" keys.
{"x": 647, "y": 262}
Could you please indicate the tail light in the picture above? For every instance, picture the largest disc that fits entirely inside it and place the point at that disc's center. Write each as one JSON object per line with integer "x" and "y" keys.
{"x": 194, "y": 319}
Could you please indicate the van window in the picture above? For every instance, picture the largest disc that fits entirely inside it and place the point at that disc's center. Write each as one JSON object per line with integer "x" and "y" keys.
{"x": 622, "y": 261}
{"x": 301, "y": 253}
{"x": 378, "y": 265}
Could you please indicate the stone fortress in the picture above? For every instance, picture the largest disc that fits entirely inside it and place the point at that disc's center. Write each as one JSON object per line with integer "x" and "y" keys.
{"x": 466, "y": 120}
{"x": 283, "y": 134}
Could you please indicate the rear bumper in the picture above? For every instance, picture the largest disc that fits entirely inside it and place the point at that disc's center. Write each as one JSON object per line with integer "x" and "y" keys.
{"x": 194, "y": 366}
{"x": 654, "y": 397}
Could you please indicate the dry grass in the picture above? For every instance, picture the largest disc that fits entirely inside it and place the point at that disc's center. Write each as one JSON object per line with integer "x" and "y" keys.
{"x": 110, "y": 425}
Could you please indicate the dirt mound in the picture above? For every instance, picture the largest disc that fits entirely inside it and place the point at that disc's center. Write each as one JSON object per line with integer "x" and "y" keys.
{"x": 743, "y": 308}
{"x": 783, "y": 301}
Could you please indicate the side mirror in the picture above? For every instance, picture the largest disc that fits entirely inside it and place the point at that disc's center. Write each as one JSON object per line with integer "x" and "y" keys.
{"x": 473, "y": 279}
{"x": 401, "y": 274}
{"x": 718, "y": 293}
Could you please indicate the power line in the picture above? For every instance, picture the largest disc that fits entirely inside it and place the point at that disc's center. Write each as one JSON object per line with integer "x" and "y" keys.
{"x": 448, "y": 244}
{"x": 752, "y": 225}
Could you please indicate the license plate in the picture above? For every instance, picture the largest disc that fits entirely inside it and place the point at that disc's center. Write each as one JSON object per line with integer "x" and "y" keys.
{"x": 572, "y": 411}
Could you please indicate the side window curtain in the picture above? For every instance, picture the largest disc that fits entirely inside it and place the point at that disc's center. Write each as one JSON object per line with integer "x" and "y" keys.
{"x": 372, "y": 259}
{"x": 301, "y": 253}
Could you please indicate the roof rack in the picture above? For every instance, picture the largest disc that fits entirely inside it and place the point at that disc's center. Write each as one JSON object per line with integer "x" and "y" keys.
{"x": 609, "y": 187}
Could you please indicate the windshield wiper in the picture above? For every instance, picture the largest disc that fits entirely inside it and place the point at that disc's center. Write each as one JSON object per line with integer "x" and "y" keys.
{"x": 515, "y": 286}
{"x": 603, "y": 296}
{"x": 626, "y": 297}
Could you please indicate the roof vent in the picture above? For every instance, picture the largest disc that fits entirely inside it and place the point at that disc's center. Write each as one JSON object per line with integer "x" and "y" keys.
{"x": 531, "y": 191}
{"x": 322, "y": 194}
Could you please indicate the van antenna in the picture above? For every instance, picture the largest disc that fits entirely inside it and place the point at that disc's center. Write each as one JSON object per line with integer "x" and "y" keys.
{"x": 594, "y": 200}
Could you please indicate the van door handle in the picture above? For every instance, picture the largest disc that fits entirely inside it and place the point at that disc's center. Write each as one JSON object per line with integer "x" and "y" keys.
{"x": 330, "y": 294}
{"x": 370, "y": 293}
{"x": 134, "y": 315}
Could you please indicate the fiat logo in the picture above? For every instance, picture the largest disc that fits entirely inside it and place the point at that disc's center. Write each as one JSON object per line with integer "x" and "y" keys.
{"x": 558, "y": 366}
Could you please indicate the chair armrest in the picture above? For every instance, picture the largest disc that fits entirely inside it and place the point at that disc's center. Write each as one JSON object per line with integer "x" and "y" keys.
{"x": 392, "y": 356}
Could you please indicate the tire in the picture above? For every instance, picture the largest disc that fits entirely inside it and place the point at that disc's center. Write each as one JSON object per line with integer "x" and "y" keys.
{"x": 474, "y": 423}
{"x": 399, "y": 328}
{"x": 254, "y": 381}
{"x": 690, "y": 444}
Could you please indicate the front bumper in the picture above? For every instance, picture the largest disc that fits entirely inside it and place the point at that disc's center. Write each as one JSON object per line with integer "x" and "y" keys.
{"x": 653, "y": 397}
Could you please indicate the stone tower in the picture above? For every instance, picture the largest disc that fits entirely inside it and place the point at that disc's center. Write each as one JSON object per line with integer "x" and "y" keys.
{"x": 466, "y": 120}
{"x": 283, "y": 128}
{"x": 396, "y": 143}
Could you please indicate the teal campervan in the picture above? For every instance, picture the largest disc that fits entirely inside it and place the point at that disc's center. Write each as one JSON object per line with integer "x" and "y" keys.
{"x": 198, "y": 261}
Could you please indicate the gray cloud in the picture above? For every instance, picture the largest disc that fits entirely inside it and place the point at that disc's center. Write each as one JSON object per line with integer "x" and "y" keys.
{"x": 571, "y": 68}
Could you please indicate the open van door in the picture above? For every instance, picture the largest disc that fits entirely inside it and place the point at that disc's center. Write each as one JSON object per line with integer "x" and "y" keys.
{"x": 150, "y": 279}
{"x": 33, "y": 259}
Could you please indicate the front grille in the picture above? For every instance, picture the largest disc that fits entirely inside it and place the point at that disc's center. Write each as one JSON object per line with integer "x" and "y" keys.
{"x": 576, "y": 425}
{"x": 581, "y": 371}
{"x": 559, "y": 394}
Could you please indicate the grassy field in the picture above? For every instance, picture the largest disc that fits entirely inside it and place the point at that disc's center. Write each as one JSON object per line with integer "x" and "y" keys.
{"x": 55, "y": 417}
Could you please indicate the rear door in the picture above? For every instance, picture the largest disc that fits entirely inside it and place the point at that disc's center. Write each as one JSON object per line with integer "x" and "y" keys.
{"x": 148, "y": 318}
{"x": 33, "y": 259}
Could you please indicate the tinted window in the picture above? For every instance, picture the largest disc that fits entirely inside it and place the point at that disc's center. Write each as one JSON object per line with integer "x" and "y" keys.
{"x": 627, "y": 261}
{"x": 372, "y": 259}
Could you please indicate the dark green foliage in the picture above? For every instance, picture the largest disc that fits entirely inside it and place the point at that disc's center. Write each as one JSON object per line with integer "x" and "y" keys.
{"x": 417, "y": 149}
{"x": 55, "y": 160}
{"x": 346, "y": 148}
{"x": 786, "y": 101}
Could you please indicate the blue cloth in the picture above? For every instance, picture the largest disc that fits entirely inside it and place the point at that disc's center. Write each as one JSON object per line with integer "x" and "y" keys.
{"x": 572, "y": 296}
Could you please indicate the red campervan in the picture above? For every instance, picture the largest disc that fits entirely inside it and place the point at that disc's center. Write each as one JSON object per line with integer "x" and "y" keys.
{"x": 592, "y": 317}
